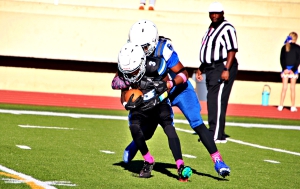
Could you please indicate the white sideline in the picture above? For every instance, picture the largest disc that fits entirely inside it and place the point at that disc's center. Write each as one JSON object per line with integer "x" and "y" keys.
{"x": 44, "y": 113}
{"x": 74, "y": 115}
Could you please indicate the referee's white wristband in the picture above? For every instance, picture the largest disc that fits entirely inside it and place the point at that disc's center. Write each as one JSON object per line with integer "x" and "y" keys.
{"x": 124, "y": 104}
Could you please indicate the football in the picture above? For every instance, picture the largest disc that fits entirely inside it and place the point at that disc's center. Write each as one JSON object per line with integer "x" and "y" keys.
{"x": 136, "y": 93}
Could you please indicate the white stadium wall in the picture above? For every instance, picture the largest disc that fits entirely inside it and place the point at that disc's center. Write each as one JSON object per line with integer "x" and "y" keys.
{"x": 95, "y": 30}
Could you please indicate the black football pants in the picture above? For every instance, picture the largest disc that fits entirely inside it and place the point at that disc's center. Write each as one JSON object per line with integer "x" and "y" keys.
{"x": 143, "y": 125}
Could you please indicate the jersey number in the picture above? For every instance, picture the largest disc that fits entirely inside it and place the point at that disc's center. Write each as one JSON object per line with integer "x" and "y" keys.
{"x": 151, "y": 63}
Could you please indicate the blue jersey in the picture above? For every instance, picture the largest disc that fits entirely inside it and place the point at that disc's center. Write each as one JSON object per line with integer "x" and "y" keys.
{"x": 183, "y": 96}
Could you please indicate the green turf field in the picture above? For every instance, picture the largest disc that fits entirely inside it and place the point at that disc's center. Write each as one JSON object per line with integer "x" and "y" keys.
{"x": 80, "y": 148}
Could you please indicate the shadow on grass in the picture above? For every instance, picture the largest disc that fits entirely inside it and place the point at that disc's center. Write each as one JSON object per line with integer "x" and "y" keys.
{"x": 135, "y": 167}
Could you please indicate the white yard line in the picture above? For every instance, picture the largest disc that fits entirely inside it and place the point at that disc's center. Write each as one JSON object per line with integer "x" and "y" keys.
{"x": 107, "y": 151}
{"x": 189, "y": 156}
{"x": 26, "y": 178}
{"x": 271, "y": 161}
{"x": 44, "y": 127}
{"x": 44, "y": 113}
{"x": 263, "y": 147}
{"x": 185, "y": 130}
{"x": 24, "y": 147}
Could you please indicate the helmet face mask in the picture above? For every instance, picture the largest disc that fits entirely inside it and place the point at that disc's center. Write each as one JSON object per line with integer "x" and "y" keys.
{"x": 144, "y": 33}
{"x": 134, "y": 76}
{"x": 148, "y": 49}
{"x": 132, "y": 62}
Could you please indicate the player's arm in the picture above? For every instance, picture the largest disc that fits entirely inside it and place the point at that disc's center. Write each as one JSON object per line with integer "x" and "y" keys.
{"x": 164, "y": 86}
{"x": 181, "y": 75}
{"x": 173, "y": 63}
{"x": 119, "y": 82}
{"x": 123, "y": 92}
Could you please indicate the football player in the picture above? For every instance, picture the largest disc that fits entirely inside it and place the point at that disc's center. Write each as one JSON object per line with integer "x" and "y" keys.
{"x": 152, "y": 108}
{"x": 182, "y": 95}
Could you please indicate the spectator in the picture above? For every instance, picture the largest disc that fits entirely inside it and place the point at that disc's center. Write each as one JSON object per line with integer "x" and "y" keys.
{"x": 289, "y": 60}
{"x": 151, "y": 5}
{"x": 217, "y": 57}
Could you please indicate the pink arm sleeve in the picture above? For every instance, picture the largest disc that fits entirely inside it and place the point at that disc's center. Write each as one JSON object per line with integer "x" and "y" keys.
{"x": 118, "y": 83}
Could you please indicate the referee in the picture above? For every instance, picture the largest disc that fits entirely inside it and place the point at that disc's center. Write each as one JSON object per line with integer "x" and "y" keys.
{"x": 218, "y": 62}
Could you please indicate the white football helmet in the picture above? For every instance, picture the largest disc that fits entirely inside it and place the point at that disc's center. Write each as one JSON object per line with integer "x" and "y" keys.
{"x": 144, "y": 33}
{"x": 132, "y": 62}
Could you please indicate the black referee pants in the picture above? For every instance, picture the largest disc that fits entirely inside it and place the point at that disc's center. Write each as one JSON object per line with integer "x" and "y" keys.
{"x": 218, "y": 93}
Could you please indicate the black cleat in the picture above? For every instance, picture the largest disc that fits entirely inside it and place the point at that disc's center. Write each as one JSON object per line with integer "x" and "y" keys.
{"x": 146, "y": 170}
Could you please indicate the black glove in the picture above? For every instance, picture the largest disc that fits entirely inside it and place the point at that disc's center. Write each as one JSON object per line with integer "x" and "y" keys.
{"x": 150, "y": 104}
{"x": 160, "y": 86}
{"x": 146, "y": 83}
{"x": 132, "y": 105}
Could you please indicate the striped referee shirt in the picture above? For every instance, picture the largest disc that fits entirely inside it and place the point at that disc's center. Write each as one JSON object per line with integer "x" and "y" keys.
{"x": 217, "y": 42}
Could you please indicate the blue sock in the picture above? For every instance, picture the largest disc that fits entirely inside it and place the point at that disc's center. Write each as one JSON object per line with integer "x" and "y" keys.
{"x": 130, "y": 152}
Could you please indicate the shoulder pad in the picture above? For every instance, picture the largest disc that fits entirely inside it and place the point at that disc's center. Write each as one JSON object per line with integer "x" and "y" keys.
{"x": 164, "y": 49}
